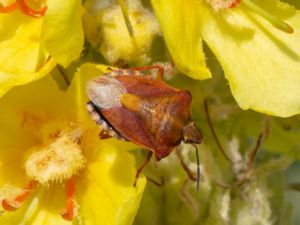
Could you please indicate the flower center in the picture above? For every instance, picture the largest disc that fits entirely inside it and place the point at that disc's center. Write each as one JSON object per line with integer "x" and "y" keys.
{"x": 218, "y": 5}
{"x": 33, "y": 8}
{"x": 57, "y": 158}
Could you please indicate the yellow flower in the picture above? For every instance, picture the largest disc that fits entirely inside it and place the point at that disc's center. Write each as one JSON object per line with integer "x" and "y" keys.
{"x": 48, "y": 144}
{"x": 31, "y": 44}
{"x": 118, "y": 41}
{"x": 260, "y": 61}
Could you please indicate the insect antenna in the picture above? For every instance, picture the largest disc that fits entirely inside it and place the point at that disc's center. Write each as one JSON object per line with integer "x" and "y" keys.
{"x": 188, "y": 171}
{"x": 198, "y": 169}
{"x": 251, "y": 156}
{"x": 213, "y": 130}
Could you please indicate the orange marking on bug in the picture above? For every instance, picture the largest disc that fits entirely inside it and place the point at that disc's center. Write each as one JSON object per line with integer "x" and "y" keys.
{"x": 131, "y": 102}
{"x": 68, "y": 213}
{"x": 19, "y": 199}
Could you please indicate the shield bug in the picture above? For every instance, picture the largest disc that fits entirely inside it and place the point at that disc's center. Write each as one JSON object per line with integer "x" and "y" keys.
{"x": 130, "y": 105}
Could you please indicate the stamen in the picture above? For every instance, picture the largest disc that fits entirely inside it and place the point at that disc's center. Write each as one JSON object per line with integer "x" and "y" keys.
{"x": 235, "y": 4}
{"x": 19, "y": 199}
{"x": 57, "y": 160}
{"x": 276, "y": 22}
{"x": 10, "y": 205}
{"x": 9, "y": 8}
{"x": 68, "y": 213}
{"x": 223, "y": 4}
{"x": 23, "y": 6}
{"x": 126, "y": 17}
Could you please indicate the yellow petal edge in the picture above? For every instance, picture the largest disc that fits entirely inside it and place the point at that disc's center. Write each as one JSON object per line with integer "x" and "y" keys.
{"x": 179, "y": 21}
{"x": 62, "y": 30}
{"x": 261, "y": 63}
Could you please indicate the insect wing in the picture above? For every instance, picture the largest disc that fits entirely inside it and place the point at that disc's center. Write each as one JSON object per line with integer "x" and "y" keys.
{"x": 159, "y": 130}
{"x": 145, "y": 87}
{"x": 105, "y": 92}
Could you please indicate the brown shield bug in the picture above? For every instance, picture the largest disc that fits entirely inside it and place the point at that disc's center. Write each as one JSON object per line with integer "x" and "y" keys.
{"x": 136, "y": 107}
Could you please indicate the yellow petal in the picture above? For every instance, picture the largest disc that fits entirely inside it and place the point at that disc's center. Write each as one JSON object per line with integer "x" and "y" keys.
{"x": 45, "y": 208}
{"x": 62, "y": 30}
{"x": 77, "y": 90}
{"x": 26, "y": 42}
{"x": 42, "y": 207}
{"x": 9, "y": 80}
{"x": 22, "y": 55}
{"x": 261, "y": 63}
{"x": 179, "y": 21}
{"x": 106, "y": 185}
{"x": 39, "y": 97}
{"x": 108, "y": 196}
{"x": 16, "y": 32}
{"x": 45, "y": 93}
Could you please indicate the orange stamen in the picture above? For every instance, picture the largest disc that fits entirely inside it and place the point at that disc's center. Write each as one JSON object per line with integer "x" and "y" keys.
{"x": 235, "y": 3}
{"x": 10, "y": 205}
{"x": 29, "y": 11}
{"x": 9, "y": 8}
{"x": 19, "y": 199}
{"x": 68, "y": 213}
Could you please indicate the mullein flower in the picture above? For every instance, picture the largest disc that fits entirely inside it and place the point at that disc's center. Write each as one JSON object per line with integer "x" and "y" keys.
{"x": 35, "y": 37}
{"x": 52, "y": 160}
{"x": 256, "y": 42}
{"x": 121, "y": 32}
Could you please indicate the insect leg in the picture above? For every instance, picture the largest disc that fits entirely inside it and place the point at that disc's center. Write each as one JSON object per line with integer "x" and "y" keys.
{"x": 140, "y": 169}
{"x": 188, "y": 198}
{"x": 159, "y": 67}
{"x": 107, "y": 130}
{"x": 251, "y": 156}
{"x": 19, "y": 199}
{"x": 135, "y": 71}
{"x": 123, "y": 72}
{"x": 155, "y": 182}
{"x": 188, "y": 171}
